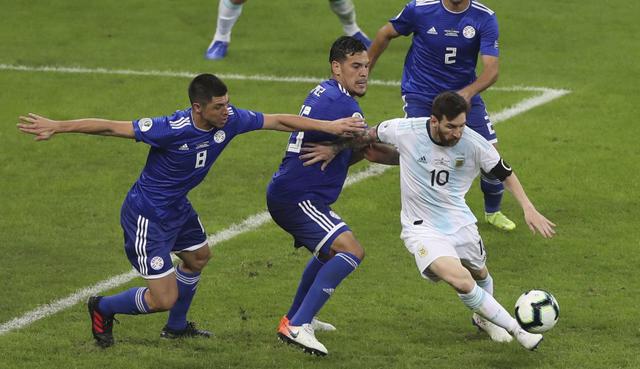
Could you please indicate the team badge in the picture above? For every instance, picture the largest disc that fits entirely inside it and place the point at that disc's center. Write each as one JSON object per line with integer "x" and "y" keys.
{"x": 145, "y": 124}
{"x": 422, "y": 252}
{"x": 357, "y": 115}
{"x": 459, "y": 161}
{"x": 334, "y": 214}
{"x": 219, "y": 136}
{"x": 469, "y": 32}
{"x": 157, "y": 263}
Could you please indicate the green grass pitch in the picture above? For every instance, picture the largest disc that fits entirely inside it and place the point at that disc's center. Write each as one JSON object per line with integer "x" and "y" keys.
{"x": 59, "y": 200}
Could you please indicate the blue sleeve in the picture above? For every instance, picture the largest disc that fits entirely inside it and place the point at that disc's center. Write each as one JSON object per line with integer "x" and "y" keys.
{"x": 489, "y": 37}
{"x": 404, "y": 22}
{"x": 247, "y": 120}
{"x": 153, "y": 131}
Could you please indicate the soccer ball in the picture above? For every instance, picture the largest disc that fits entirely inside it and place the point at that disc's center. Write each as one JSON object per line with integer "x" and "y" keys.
{"x": 537, "y": 311}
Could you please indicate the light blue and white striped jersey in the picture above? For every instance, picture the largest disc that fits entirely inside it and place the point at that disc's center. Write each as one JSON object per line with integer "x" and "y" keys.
{"x": 180, "y": 157}
{"x": 434, "y": 179}
{"x": 445, "y": 47}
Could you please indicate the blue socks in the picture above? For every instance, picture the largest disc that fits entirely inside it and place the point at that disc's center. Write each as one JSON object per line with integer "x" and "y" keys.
{"x": 493, "y": 190}
{"x": 308, "y": 276}
{"x": 187, "y": 284}
{"x": 130, "y": 302}
{"x": 327, "y": 279}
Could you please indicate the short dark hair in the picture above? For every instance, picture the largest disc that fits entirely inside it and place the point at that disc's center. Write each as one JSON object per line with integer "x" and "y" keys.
{"x": 449, "y": 104}
{"x": 204, "y": 87}
{"x": 345, "y": 46}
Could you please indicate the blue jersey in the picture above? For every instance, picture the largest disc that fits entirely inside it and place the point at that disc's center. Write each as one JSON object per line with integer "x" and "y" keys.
{"x": 180, "y": 157}
{"x": 445, "y": 47}
{"x": 294, "y": 182}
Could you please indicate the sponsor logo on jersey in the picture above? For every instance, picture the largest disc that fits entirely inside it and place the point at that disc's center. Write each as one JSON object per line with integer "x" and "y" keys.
{"x": 469, "y": 32}
{"x": 219, "y": 136}
{"x": 442, "y": 162}
{"x": 422, "y": 159}
{"x": 451, "y": 32}
{"x": 145, "y": 124}
{"x": 334, "y": 214}
{"x": 230, "y": 110}
{"x": 202, "y": 145}
{"x": 184, "y": 147}
{"x": 357, "y": 115}
{"x": 495, "y": 44}
{"x": 157, "y": 263}
{"x": 432, "y": 31}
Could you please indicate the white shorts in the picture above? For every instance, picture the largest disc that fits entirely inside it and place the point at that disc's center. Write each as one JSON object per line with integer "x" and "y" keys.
{"x": 427, "y": 245}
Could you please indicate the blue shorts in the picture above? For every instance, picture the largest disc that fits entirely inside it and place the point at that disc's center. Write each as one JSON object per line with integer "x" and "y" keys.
{"x": 477, "y": 119}
{"x": 149, "y": 243}
{"x": 311, "y": 223}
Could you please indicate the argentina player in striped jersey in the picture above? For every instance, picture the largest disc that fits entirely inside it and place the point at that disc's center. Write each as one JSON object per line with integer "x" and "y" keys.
{"x": 448, "y": 38}
{"x": 439, "y": 159}
{"x": 156, "y": 216}
{"x": 299, "y": 196}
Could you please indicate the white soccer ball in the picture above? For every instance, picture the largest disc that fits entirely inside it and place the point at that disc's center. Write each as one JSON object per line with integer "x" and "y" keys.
{"x": 537, "y": 311}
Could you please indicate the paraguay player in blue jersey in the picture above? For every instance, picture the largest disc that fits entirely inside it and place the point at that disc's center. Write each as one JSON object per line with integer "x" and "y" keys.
{"x": 156, "y": 216}
{"x": 448, "y": 35}
{"x": 299, "y": 196}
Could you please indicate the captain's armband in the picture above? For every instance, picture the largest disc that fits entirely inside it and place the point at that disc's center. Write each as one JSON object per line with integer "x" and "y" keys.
{"x": 502, "y": 170}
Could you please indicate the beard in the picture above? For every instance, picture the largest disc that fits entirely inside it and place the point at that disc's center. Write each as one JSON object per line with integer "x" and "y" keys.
{"x": 445, "y": 141}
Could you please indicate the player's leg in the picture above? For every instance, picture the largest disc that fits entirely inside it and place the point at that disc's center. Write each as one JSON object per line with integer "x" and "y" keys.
{"x": 485, "y": 281}
{"x": 192, "y": 248}
{"x": 475, "y": 298}
{"x": 470, "y": 249}
{"x": 149, "y": 255}
{"x": 316, "y": 227}
{"x": 347, "y": 255}
{"x": 492, "y": 189}
{"x": 346, "y": 12}
{"x": 228, "y": 13}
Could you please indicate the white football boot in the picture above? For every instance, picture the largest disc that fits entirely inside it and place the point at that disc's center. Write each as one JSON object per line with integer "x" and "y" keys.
{"x": 497, "y": 334}
{"x": 320, "y": 326}
{"x": 304, "y": 337}
{"x": 530, "y": 341}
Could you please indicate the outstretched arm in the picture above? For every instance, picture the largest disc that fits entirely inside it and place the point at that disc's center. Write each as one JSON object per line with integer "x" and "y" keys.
{"x": 535, "y": 220}
{"x": 290, "y": 123}
{"x": 43, "y": 128}
{"x": 380, "y": 43}
{"x": 488, "y": 77}
{"x": 364, "y": 144}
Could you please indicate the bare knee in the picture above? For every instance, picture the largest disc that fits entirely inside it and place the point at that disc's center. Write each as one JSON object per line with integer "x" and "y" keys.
{"x": 347, "y": 242}
{"x": 161, "y": 301}
{"x": 195, "y": 261}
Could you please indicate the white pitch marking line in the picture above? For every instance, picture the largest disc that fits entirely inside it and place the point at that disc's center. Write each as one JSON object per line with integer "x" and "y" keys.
{"x": 253, "y": 222}
{"x": 230, "y": 76}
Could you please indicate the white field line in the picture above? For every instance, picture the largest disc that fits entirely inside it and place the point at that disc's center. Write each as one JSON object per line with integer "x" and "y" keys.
{"x": 253, "y": 222}
{"x": 230, "y": 76}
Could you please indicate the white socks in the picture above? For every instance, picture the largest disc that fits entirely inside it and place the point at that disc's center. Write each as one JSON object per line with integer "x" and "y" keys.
{"x": 228, "y": 14}
{"x": 486, "y": 284}
{"x": 486, "y": 306}
{"x": 346, "y": 12}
